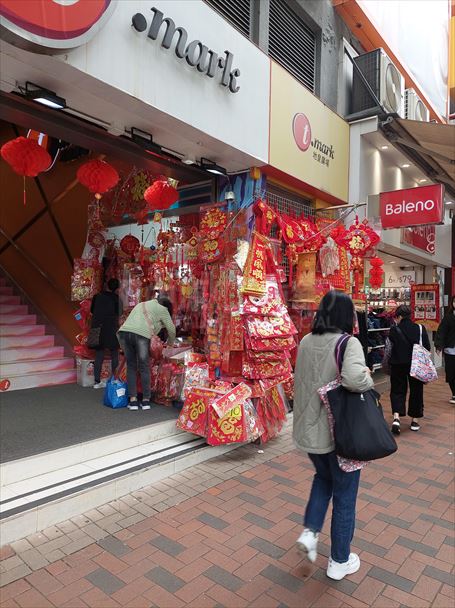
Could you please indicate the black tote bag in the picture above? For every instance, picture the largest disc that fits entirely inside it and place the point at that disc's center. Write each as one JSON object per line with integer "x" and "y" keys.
{"x": 360, "y": 430}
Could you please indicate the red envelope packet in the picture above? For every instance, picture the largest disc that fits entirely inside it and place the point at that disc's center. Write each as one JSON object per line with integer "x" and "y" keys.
{"x": 270, "y": 327}
{"x": 194, "y": 414}
{"x": 232, "y": 399}
{"x": 270, "y": 344}
{"x": 229, "y": 429}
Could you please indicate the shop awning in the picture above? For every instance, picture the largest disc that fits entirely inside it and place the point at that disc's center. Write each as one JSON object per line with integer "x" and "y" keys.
{"x": 429, "y": 145}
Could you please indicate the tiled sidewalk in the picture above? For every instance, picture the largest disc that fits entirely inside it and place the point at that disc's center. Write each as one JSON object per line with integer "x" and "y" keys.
{"x": 223, "y": 534}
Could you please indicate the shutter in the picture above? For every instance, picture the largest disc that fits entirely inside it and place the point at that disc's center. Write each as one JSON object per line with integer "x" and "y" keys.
{"x": 237, "y": 12}
{"x": 291, "y": 43}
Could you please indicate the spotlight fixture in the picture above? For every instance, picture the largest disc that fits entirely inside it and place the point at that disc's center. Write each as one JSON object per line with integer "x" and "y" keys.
{"x": 384, "y": 147}
{"x": 212, "y": 167}
{"x": 423, "y": 180}
{"x": 145, "y": 140}
{"x": 405, "y": 166}
{"x": 44, "y": 96}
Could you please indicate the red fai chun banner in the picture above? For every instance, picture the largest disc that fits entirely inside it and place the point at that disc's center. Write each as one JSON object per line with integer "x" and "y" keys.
{"x": 425, "y": 305}
{"x": 412, "y": 207}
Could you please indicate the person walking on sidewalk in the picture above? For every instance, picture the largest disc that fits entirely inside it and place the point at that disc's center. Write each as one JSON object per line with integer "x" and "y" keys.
{"x": 445, "y": 341}
{"x": 316, "y": 366}
{"x": 146, "y": 320}
{"x": 403, "y": 336}
{"x": 106, "y": 309}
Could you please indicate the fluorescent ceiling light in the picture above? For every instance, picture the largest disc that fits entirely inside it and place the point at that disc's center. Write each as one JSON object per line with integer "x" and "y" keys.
{"x": 405, "y": 166}
{"x": 44, "y": 96}
{"x": 212, "y": 167}
{"x": 423, "y": 180}
{"x": 384, "y": 147}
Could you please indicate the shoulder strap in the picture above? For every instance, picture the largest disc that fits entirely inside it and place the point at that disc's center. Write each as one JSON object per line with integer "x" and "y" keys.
{"x": 403, "y": 335}
{"x": 340, "y": 349}
{"x": 148, "y": 319}
{"x": 420, "y": 339}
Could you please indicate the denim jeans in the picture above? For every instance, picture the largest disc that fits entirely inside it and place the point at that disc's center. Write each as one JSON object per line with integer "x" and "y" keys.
{"x": 137, "y": 354}
{"x": 330, "y": 482}
{"x": 99, "y": 358}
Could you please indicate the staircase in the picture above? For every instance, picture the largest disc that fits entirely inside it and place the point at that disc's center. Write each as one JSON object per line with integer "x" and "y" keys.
{"x": 28, "y": 357}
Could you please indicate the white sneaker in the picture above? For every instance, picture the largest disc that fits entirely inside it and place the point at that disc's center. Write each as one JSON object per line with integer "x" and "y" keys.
{"x": 101, "y": 384}
{"x": 307, "y": 543}
{"x": 338, "y": 571}
{"x": 452, "y": 400}
{"x": 133, "y": 405}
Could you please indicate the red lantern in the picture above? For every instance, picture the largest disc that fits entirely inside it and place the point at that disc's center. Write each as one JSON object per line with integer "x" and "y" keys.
{"x": 160, "y": 195}
{"x": 376, "y": 273}
{"x": 97, "y": 176}
{"x": 130, "y": 244}
{"x": 26, "y": 157}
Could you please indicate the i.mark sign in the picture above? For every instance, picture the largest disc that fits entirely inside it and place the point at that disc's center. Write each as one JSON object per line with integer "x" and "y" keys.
{"x": 196, "y": 54}
{"x": 413, "y": 207}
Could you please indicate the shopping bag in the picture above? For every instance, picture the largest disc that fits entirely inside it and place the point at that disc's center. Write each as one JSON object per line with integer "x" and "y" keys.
{"x": 386, "y": 358}
{"x": 93, "y": 337}
{"x": 422, "y": 367}
{"x": 115, "y": 393}
{"x": 360, "y": 430}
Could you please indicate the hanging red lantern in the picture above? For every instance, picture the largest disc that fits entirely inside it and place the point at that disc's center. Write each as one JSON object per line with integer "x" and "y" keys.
{"x": 97, "y": 176}
{"x": 25, "y": 156}
{"x": 130, "y": 244}
{"x": 376, "y": 273}
{"x": 161, "y": 195}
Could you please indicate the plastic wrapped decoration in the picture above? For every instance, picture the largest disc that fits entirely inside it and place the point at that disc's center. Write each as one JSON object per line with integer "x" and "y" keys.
{"x": 131, "y": 285}
{"x": 86, "y": 279}
{"x": 329, "y": 258}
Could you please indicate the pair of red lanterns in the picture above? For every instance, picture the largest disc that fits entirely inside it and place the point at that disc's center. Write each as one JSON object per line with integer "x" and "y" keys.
{"x": 28, "y": 158}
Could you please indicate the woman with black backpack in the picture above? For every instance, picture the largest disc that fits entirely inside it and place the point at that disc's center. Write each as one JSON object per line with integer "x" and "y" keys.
{"x": 403, "y": 336}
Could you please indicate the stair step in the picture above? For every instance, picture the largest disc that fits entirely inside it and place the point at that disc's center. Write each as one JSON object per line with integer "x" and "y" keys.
{"x": 8, "y": 299}
{"x": 10, "y": 355}
{"x": 19, "y": 368}
{"x": 13, "y": 309}
{"x": 17, "y": 319}
{"x": 35, "y": 380}
{"x": 22, "y": 330}
{"x": 25, "y": 342}
{"x": 6, "y": 290}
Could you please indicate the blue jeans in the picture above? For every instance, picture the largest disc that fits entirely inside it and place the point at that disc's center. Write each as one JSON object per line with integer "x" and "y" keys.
{"x": 330, "y": 482}
{"x": 137, "y": 354}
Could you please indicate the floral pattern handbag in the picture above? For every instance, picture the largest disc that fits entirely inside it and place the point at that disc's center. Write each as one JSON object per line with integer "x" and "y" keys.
{"x": 422, "y": 367}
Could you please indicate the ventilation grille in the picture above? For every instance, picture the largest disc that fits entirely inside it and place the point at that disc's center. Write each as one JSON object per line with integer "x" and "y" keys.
{"x": 370, "y": 66}
{"x": 292, "y": 44}
{"x": 237, "y": 12}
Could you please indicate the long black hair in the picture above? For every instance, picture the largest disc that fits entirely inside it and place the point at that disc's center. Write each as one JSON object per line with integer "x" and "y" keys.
{"x": 335, "y": 314}
{"x": 452, "y": 305}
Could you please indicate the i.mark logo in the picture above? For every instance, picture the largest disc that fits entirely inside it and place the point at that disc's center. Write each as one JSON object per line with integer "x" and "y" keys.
{"x": 195, "y": 53}
{"x": 301, "y": 129}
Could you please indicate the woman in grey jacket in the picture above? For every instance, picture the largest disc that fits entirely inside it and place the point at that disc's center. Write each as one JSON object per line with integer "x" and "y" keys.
{"x": 316, "y": 367}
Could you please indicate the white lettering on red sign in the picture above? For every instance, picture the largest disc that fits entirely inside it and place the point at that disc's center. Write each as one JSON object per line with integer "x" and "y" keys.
{"x": 398, "y": 208}
{"x": 420, "y": 206}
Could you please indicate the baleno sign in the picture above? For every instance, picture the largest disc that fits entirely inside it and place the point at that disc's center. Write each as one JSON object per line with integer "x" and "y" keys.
{"x": 196, "y": 54}
{"x": 413, "y": 207}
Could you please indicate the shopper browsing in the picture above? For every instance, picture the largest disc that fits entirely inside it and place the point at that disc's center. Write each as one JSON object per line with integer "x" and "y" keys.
{"x": 316, "y": 367}
{"x": 403, "y": 336}
{"x": 445, "y": 342}
{"x": 146, "y": 320}
{"x": 106, "y": 308}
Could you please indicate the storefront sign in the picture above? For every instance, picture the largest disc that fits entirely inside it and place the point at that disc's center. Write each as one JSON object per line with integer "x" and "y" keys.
{"x": 52, "y": 25}
{"x": 412, "y": 207}
{"x": 307, "y": 139}
{"x": 420, "y": 237}
{"x": 399, "y": 278}
{"x": 425, "y": 305}
{"x": 196, "y": 54}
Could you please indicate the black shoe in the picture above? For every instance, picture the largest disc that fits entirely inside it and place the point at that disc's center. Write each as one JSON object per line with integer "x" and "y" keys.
{"x": 145, "y": 405}
{"x": 415, "y": 426}
{"x": 396, "y": 427}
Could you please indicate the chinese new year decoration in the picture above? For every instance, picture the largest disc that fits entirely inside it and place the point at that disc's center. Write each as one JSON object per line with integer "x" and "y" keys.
{"x": 376, "y": 273}
{"x": 161, "y": 195}
{"x": 97, "y": 176}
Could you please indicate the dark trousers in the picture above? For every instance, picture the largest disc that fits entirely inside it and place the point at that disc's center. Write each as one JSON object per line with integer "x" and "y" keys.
{"x": 449, "y": 362}
{"x": 99, "y": 358}
{"x": 137, "y": 354}
{"x": 330, "y": 482}
{"x": 399, "y": 380}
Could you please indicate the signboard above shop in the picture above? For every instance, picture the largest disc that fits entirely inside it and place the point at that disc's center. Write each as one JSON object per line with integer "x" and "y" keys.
{"x": 421, "y": 206}
{"x": 308, "y": 141}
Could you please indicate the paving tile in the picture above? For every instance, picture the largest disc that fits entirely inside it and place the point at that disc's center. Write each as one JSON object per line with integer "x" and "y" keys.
{"x": 413, "y": 500}
{"x": 284, "y": 481}
{"x": 257, "y": 520}
{"x": 165, "y": 579}
{"x": 283, "y": 578}
{"x": 389, "y": 578}
{"x": 396, "y": 521}
{"x": 449, "y": 540}
{"x": 266, "y": 547}
{"x": 420, "y": 547}
{"x": 298, "y": 518}
{"x": 436, "y": 520}
{"x": 395, "y": 482}
{"x": 247, "y": 481}
{"x": 432, "y": 482}
{"x": 224, "y": 578}
{"x": 214, "y": 522}
{"x": 277, "y": 465}
{"x": 439, "y": 575}
{"x": 345, "y": 585}
{"x": 290, "y": 498}
{"x": 114, "y": 546}
{"x": 370, "y": 547}
{"x": 104, "y": 580}
{"x": 374, "y": 500}
{"x": 251, "y": 498}
{"x": 169, "y": 546}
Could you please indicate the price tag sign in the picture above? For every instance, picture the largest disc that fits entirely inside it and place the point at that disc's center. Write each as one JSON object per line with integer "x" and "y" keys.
{"x": 399, "y": 278}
